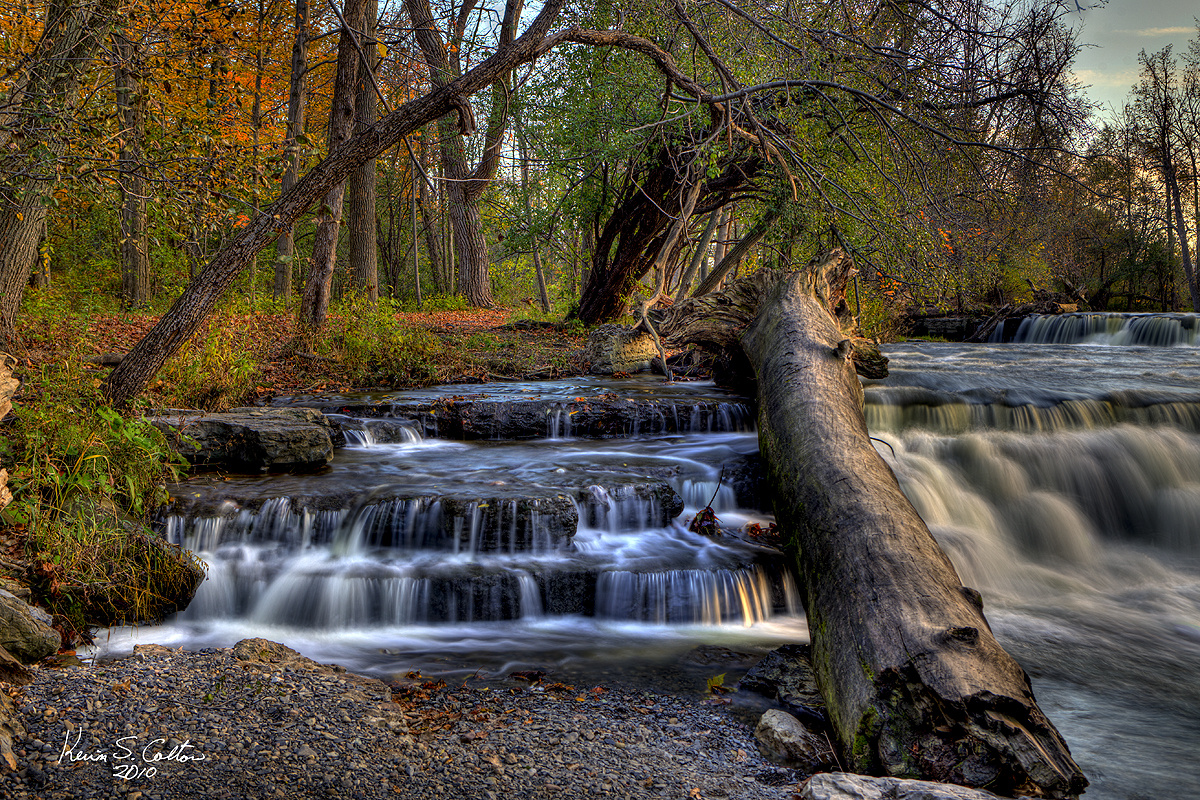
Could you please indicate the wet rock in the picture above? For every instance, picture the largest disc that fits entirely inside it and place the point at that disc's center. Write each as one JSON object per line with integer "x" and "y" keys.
{"x": 630, "y": 506}
{"x": 747, "y": 477}
{"x": 711, "y": 655}
{"x": 845, "y": 786}
{"x": 468, "y": 418}
{"x": 510, "y": 522}
{"x": 250, "y": 439}
{"x": 785, "y": 675}
{"x": 615, "y": 348}
{"x": 784, "y": 738}
{"x": 346, "y": 430}
{"x": 25, "y": 631}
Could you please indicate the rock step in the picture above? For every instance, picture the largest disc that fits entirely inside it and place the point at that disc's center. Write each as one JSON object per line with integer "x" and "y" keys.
{"x": 249, "y": 439}
{"x": 339, "y": 594}
{"x": 597, "y": 417}
{"x": 204, "y": 517}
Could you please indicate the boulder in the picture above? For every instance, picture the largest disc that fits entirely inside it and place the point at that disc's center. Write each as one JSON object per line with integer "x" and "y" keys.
{"x": 25, "y": 631}
{"x": 250, "y": 439}
{"x": 158, "y": 580}
{"x": 615, "y": 348}
{"x": 783, "y": 738}
{"x": 13, "y": 671}
{"x": 844, "y": 786}
{"x": 785, "y": 675}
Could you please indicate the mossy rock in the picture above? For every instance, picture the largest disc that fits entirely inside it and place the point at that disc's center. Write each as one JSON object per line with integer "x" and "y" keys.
{"x": 148, "y": 580}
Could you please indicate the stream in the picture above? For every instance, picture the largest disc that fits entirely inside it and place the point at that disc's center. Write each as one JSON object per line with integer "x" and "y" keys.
{"x": 1061, "y": 473}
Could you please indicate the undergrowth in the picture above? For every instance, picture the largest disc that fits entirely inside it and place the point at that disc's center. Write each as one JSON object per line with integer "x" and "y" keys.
{"x": 84, "y": 479}
{"x": 215, "y": 370}
{"x": 374, "y": 348}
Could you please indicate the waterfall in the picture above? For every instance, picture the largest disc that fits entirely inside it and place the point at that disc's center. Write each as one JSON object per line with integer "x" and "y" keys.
{"x": 1156, "y": 330}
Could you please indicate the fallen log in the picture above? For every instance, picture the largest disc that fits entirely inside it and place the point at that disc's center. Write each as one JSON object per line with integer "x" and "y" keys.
{"x": 915, "y": 683}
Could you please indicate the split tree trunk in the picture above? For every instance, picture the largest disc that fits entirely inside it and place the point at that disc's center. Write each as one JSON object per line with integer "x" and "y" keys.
{"x": 915, "y": 683}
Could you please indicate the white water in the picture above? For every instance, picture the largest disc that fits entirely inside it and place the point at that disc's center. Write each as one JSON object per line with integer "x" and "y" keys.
{"x": 1082, "y": 531}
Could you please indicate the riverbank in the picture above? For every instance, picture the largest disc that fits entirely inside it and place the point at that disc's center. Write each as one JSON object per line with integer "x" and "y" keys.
{"x": 259, "y": 721}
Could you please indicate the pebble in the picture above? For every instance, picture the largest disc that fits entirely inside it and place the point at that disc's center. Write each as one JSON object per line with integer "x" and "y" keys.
{"x": 167, "y": 725}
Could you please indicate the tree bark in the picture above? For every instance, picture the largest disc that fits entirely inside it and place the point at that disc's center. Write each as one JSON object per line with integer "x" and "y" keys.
{"x": 698, "y": 255}
{"x": 285, "y": 247}
{"x": 318, "y": 286}
{"x": 182, "y": 320}
{"x": 915, "y": 683}
{"x": 736, "y": 253}
{"x": 36, "y": 137}
{"x": 131, "y": 107}
{"x": 466, "y": 185}
{"x": 364, "y": 250}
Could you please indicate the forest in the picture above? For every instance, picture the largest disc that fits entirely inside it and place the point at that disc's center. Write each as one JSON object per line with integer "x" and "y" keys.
{"x": 948, "y": 148}
{"x": 213, "y": 205}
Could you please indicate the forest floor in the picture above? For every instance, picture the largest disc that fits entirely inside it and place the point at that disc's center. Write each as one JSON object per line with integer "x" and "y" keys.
{"x": 376, "y": 350}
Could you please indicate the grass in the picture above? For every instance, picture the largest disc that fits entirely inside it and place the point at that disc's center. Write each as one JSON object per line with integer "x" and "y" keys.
{"x": 84, "y": 481}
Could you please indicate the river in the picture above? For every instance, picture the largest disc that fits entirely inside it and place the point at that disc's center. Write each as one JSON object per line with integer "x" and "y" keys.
{"x": 1063, "y": 480}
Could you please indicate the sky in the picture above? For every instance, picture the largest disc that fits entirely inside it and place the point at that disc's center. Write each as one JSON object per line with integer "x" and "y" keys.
{"x": 1118, "y": 31}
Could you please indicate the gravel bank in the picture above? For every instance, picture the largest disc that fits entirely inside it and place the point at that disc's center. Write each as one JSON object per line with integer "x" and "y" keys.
{"x": 259, "y": 721}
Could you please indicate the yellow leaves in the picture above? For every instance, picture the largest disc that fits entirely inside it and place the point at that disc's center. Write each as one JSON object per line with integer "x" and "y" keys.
{"x": 381, "y": 48}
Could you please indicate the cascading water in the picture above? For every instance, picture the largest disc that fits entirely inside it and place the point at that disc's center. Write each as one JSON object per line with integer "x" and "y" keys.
{"x": 1156, "y": 330}
{"x": 1064, "y": 484}
{"x": 1063, "y": 481}
{"x": 558, "y": 543}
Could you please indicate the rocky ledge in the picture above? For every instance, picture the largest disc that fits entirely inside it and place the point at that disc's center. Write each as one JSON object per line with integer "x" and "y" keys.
{"x": 250, "y": 439}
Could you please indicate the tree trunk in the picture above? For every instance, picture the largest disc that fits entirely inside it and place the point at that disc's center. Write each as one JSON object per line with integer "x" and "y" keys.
{"x": 1176, "y": 211}
{"x": 182, "y": 320}
{"x": 522, "y": 144}
{"x": 736, "y": 253}
{"x": 915, "y": 683}
{"x": 318, "y": 286}
{"x": 131, "y": 107}
{"x": 364, "y": 253}
{"x": 698, "y": 255}
{"x": 72, "y": 32}
{"x": 285, "y": 247}
{"x": 426, "y": 199}
{"x": 466, "y": 185}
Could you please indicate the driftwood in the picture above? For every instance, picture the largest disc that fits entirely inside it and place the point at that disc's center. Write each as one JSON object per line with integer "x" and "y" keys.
{"x": 8, "y": 384}
{"x": 915, "y": 683}
{"x": 8, "y": 387}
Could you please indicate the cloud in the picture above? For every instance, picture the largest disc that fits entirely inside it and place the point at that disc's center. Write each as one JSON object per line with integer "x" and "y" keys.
{"x": 1110, "y": 78}
{"x": 1154, "y": 32}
